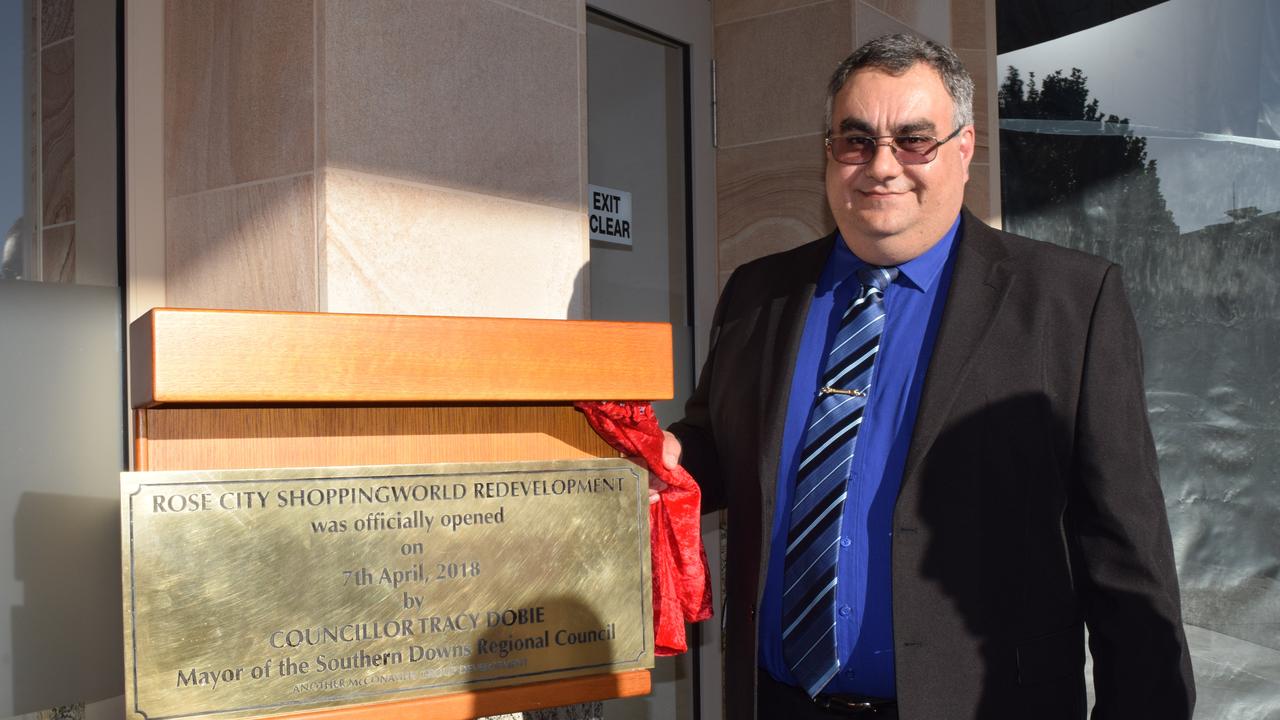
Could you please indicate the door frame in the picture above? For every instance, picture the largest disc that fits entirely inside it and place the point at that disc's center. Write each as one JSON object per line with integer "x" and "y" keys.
{"x": 689, "y": 22}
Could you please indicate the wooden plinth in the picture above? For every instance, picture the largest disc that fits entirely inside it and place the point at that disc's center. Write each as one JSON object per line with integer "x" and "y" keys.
{"x": 498, "y": 701}
{"x": 215, "y": 438}
{"x": 219, "y": 356}
{"x": 232, "y": 389}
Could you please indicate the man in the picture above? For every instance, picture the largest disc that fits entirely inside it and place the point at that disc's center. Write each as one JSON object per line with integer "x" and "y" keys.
{"x": 932, "y": 442}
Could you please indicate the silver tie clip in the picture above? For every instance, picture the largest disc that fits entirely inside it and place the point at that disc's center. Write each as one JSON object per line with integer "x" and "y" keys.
{"x": 824, "y": 390}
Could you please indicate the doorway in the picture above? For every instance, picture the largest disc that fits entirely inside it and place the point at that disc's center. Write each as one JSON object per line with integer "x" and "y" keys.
{"x": 650, "y": 166}
{"x": 638, "y": 186}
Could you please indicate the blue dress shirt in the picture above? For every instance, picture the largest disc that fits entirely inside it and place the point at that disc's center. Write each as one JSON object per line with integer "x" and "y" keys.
{"x": 913, "y": 307}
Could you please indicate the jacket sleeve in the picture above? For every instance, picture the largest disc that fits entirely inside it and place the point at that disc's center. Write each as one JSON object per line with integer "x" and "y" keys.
{"x": 1119, "y": 530}
{"x": 696, "y": 430}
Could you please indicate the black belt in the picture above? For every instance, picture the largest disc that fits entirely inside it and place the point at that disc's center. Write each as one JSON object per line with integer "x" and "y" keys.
{"x": 779, "y": 700}
{"x": 858, "y": 706}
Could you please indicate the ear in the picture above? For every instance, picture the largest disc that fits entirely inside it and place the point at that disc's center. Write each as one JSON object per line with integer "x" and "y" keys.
{"x": 968, "y": 139}
{"x": 967, "y": 142}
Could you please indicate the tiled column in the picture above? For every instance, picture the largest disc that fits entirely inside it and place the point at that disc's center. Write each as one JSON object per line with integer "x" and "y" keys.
{"x": 452, "y": 150}
{"x": 239, "y": 155}
{"x": 387, "y": 156}
{"x": 773, "y": 58}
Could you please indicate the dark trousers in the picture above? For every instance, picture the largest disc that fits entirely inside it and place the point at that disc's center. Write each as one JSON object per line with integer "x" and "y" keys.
{"x": 779, "y": 700}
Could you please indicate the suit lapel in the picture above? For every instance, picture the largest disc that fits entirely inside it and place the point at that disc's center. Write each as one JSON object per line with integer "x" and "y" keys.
{"x": 979, "y": 284}
{"x": 787, "y": 314}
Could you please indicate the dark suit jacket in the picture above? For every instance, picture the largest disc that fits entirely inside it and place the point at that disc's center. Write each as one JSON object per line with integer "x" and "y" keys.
{"x": 1030, "y": 505}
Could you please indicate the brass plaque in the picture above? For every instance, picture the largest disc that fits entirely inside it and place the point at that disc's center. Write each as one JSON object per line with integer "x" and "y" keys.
{"x": 255, "y": 592}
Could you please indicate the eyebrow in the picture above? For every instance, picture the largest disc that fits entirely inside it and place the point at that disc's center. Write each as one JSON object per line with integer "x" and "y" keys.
{"x": 851, "y": 125}
{"x": 914, "y": 127}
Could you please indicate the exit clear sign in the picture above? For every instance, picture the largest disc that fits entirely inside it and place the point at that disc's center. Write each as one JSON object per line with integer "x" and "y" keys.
{"x": 609, "y": 214}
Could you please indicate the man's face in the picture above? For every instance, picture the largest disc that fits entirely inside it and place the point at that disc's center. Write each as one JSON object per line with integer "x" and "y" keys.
{"x": 889, "y": 212}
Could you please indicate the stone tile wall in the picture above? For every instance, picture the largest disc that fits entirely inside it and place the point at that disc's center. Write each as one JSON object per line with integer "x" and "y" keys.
{"x": 248, "y": 246}
{"x": 973, "y": 27}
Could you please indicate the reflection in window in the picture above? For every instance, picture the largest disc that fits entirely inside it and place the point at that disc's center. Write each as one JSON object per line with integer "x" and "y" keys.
{"x": 1153, "y": 139}
{"x": 58, "y": 141}
{"x": 13, "y": 140}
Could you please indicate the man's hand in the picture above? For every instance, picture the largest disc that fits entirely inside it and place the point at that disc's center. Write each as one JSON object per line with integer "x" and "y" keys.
{"x": 670, "y": 458}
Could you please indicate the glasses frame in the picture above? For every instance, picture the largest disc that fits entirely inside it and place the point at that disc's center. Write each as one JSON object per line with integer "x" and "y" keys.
{"x": 929, "y": 155}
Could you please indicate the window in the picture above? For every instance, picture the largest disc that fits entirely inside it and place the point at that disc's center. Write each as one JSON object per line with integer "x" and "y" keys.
{"x": 15, "y": 140}
{"x": 1153, "y": 139}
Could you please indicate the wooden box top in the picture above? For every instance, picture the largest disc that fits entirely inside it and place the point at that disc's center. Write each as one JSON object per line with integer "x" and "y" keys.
{"x": 220, "y": 357}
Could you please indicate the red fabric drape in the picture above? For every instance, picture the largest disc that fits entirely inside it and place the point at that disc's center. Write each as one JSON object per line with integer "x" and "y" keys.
{"x": 681, "y": 589}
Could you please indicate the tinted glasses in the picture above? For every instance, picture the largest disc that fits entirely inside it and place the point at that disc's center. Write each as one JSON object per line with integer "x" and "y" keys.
{"x": 908, "y": 149}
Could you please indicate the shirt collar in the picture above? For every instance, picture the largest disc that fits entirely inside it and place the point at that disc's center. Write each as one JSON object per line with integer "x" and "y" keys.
{"x": 921, "y": 272}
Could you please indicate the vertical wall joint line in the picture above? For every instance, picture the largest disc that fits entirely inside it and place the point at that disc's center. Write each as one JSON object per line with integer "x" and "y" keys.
{"x": 715, "y": 135}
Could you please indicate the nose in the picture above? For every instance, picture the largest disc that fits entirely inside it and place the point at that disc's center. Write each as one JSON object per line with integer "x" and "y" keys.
{"x": 884, "y": 164}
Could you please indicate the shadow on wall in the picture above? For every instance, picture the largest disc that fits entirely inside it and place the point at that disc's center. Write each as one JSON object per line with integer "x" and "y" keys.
{"x": 579, "y": 307}
{"x": 67, "y": 627}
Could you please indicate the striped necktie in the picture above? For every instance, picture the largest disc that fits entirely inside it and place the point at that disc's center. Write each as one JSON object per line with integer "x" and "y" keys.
{"x": 809, "y": 575}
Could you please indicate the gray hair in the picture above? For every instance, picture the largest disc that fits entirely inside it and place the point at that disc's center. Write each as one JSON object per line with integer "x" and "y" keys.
{"x": 896, "y": 54}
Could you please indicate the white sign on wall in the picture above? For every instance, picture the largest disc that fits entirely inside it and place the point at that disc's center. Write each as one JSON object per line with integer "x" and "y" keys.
{"x": 610, "y": 214}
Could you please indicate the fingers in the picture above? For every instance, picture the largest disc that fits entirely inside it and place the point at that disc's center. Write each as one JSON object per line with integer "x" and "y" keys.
{"x": 656, "y": 486}
{"x": 670, "y": 458}
{"x": 671, "y": 450}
